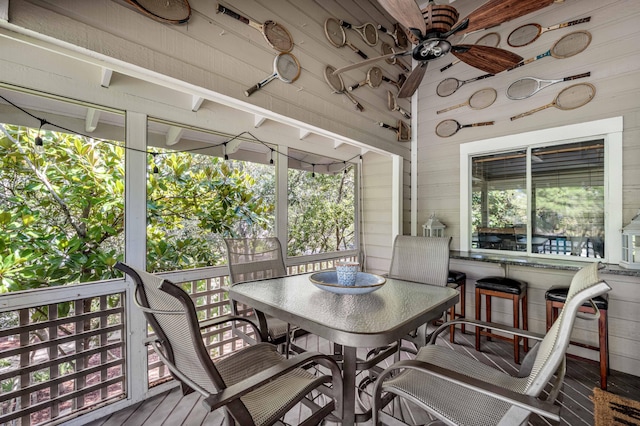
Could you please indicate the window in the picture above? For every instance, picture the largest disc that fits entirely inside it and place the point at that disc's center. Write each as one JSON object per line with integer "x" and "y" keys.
{"x": 62, "y": 196}
{"x": 550, "y": 197}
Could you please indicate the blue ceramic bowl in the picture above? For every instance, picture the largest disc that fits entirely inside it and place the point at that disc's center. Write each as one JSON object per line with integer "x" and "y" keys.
{"x": 365, "y": 282}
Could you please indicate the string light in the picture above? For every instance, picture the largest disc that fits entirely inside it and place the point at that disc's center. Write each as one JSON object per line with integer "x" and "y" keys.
{"x": 39, "y": 142}
{"x": 313, "y": 170}
{"x": 345, "y": 167}
{"x": 155, "y": 166}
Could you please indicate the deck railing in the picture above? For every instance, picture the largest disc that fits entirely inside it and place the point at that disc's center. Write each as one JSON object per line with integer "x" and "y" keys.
{"x": 63, "y": 349}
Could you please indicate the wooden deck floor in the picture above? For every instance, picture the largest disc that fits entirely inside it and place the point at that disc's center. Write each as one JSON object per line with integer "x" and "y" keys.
{"x": 171, "y": 409}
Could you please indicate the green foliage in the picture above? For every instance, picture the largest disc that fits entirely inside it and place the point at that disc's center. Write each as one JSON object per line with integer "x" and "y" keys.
{"x": 321, "y": 212}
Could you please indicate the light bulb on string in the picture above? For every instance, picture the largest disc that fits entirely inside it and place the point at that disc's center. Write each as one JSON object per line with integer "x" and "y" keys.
{"x": 345, "y": 167}
{"x": 313, "y": 170}
{"x": 271, "y": 159}
{"x": 155, "y": 166}
{"x": 38, "y": 141}
{"x": 224, "y": 151}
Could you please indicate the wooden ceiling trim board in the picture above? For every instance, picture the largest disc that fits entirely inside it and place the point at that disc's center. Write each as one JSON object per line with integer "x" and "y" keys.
{"x": 258, "y": 120}
{"x": 173, "y": 135}
{"x": 304, "y": 133}
{"x": 91, "y": 120}
{"x": 196, "y": 102}
{"x": 105, "y": 77}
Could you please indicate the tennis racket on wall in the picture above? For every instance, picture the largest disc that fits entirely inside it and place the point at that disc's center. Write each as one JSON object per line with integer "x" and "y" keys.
{"x": 277, "y": 36}
{"x": 528, "y": 86}
{"x": 338, "y": 38}
{"x": 367, "y": 31}
{"x": 167, "y": 11}
{"x": 447, "y": 128}
{"x": 491, "y": 40}
{"x": 337, "y": 85}
{"x": 449, "y": 86}
{"x": 567, "y": 46}
{"x": 392, "y": 59}
{"x": 401, "y": 79}
{"x": 569, "y": 98}
{"x": 374, "y": 79}
{"x": 528, "y": 33}
{"x": 403, "y": 131}
{"x": 398, "y": 35}
{"x": 481, "y": 99}
{"x": 392, "y": 105}
{"x": 285, "y": 67}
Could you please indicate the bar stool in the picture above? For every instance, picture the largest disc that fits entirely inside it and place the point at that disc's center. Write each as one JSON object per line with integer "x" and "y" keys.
{"x": 504, "y": 288}
{"x": 457, "y": 280}
{"x": 555, "y": 298}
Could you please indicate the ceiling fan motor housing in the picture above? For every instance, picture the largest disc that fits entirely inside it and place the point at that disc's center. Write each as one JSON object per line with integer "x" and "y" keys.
{"x": 439, "y": 18}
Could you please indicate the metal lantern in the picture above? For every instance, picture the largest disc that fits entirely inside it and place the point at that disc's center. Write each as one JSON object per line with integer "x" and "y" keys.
{"x": 433, "y": 227}
{"x": 631, "y": 244}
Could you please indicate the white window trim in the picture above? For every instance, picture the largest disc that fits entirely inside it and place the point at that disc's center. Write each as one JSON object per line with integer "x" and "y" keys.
{"x": 609, "y": 129}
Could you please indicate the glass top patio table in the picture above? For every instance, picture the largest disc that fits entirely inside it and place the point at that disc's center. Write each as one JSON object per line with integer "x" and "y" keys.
{"x": 365, "y": 320}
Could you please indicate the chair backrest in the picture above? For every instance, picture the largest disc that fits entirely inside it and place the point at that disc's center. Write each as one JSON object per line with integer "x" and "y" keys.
{"x": 253, "y": 259}
{"x": 421, "y": 259}
{"x": 172, "y": 315}
{"x": 551, "y": 351}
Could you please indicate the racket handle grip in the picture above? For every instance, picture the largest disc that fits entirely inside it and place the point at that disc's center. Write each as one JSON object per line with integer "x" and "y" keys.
{"x": 345, "y": 24}
{"x": 354, "y": 87}
{"x": 251, "y": 90}
{"x": 446, "y": 67}
{"x": 383, "y": 29}
{"x": 404, "y": 113}
{"x": 361, "y": 53}
{"x": 484, "y": 123}
{"x": 224, "y": 10}
{"x": 524, "y": 114}
{"x": 359, "y": 107}
{"x": 577, "y": 76}
{"x": 387, "y": 126}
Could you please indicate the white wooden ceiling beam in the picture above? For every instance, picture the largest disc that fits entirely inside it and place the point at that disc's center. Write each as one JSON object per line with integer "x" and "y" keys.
{"x": 4, "y": 10}
{"x": 105, "y": 78}
{"x": 91, "y": 120}
{"x": 337, "y": 143}
{"x": 196, "y": 102}
{"x": 258, "y": 120}
{"x": 173, "y": 135}
{"x": 233, "y": 146}
{"x": 304, "y": 133}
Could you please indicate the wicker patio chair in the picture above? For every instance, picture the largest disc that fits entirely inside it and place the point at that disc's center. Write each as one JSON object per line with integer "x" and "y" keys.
{"x": 440, "y": 378}
{"x": 424, "y": 260}
{"x": 256, "y": 385}
{"x": 251, "y": 259}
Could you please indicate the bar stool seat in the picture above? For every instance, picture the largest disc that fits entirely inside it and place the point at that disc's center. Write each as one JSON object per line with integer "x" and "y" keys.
{"x": 555, "y": 298}
{"x": 504, "y": 288}
{"x": 457, "y": 280}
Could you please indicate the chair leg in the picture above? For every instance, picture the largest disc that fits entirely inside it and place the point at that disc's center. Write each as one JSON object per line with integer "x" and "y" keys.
{"x": 478, "y": 317}
{"x": 463, "y": 302}
{"x": 487, "y": 303}
{"x": 525, "y": 322}
{"x": 452, "y": 328}
{"x": 604, "y": 349}
{"x": 516, "y": 324}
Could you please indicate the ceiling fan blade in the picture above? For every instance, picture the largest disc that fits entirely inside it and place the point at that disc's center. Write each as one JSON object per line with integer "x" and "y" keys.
{"x": 406, "y": 12}
{"x": 370, "y": 61}
{"x": 413, "y": 81}
{"x": 486, "y": 58}
{"x": 495, "y": 12}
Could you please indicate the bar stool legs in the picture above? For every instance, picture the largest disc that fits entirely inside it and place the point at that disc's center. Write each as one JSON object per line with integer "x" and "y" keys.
{"x": 555, "y": 298}
{"x": 457, "y": 280}
{"x": 504, "y": 288}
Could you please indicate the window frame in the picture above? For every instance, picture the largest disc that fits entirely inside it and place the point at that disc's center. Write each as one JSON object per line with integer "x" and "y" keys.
{"x": 609, "y": 129}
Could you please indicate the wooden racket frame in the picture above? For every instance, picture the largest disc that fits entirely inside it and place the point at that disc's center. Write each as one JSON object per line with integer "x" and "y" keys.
{"x": 394, "y": 60}
{"x": 542, "y": 30}
{"x": 392, "y": 105}
{"x": 461, "y": 83}
{"x": 468, "y": 102}
{"x": 345, "y": 42}
{"x": 397, "y": 34}
{"x": 403, "y": 131}
{"x": 256, "y": 25}
{"x": 360, "y": 29}
{"x": 367, "y": 80}
{"x": 342, "y": 90}
{"x": 555, "y": 102}
{"x": 462, "y": 126}
{"x": 159, "y": 18}
{"x": 551, "y": 53}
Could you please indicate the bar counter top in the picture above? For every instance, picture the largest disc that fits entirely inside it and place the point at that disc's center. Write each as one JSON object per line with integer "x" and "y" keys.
{"x": 539, "y": 262}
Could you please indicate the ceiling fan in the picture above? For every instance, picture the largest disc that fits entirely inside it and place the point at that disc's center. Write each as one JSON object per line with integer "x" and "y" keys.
{"x": 432, "y": 26}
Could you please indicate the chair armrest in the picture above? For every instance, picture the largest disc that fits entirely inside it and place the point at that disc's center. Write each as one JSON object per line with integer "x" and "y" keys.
{"x": 530, "y": 403}
{"x": 227, "y": 318}
{"x": 499, "y": 327}
{"x": 240, "y": 389}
